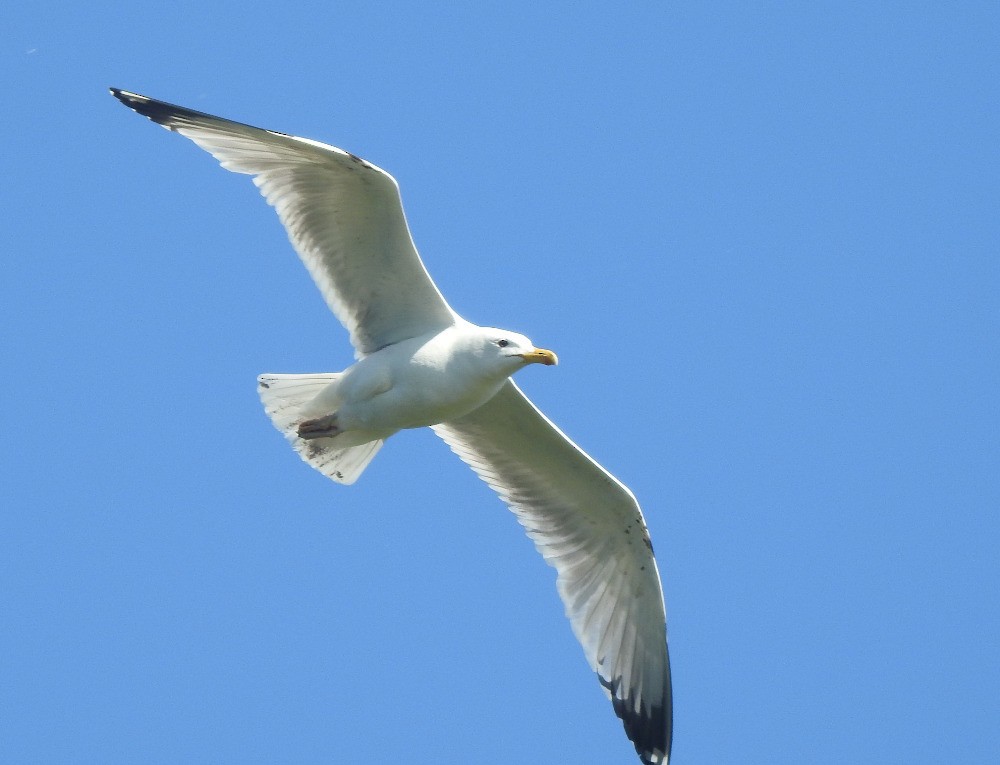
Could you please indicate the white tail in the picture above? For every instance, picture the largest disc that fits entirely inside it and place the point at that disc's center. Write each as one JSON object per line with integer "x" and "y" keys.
{"x": 285, "y": 397}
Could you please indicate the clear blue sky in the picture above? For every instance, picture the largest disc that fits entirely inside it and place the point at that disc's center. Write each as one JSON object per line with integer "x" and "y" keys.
{"x": 763, "y": 239}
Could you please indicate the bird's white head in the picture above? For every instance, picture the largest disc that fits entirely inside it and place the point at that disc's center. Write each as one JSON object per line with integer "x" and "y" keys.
{"x": 509, "y": 351}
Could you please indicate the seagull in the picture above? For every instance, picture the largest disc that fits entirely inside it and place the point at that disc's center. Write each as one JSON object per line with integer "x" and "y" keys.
{"x": 420, "y": 364}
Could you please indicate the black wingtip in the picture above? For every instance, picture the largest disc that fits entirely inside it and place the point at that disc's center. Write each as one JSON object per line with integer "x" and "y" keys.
{"x": 651, "y": 730}
{"x": 126, "y": 97}
{"x": 171, "y": 116}
{"x": 159, "y": 112}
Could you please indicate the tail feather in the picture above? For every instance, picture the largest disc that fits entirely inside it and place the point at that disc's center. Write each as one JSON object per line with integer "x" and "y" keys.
{"x": 286, "y": 400}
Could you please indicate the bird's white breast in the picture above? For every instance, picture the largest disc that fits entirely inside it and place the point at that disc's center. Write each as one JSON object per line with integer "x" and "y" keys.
{"x": 422, "y": 381}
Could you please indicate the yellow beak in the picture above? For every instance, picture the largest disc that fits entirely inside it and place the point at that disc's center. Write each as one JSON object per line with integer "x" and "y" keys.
{"x": 541, "y": 356}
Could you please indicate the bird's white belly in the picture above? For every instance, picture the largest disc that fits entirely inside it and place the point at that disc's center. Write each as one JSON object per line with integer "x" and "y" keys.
{"x": 410, "y": 385}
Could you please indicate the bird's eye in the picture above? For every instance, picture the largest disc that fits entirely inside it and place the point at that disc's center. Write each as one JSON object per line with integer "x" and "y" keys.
{"x": 503, "y": 343}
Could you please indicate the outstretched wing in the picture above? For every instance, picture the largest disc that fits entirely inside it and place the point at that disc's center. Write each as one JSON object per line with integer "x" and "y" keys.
{"x": 589, "y": 527}
{"x": 343, "y": 215}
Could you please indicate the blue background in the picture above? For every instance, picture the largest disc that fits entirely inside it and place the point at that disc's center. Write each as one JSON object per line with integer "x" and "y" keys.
{"x": 763, "y": 239}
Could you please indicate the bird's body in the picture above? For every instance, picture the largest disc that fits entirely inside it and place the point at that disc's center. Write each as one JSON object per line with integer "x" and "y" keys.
{"x": 421, "y": 364}
{"x": 423, "y": 381}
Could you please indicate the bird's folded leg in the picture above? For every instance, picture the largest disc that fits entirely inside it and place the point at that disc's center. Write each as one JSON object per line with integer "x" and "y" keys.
{"x": 321, "y": 427}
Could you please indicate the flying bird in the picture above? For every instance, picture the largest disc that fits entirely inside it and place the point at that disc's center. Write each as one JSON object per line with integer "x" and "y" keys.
{"x": 421, "y": 364}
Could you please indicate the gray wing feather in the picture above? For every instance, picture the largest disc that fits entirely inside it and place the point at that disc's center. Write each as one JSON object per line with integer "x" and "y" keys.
{"x": 343, "y": 216}
{"x": 589, "y": 527}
